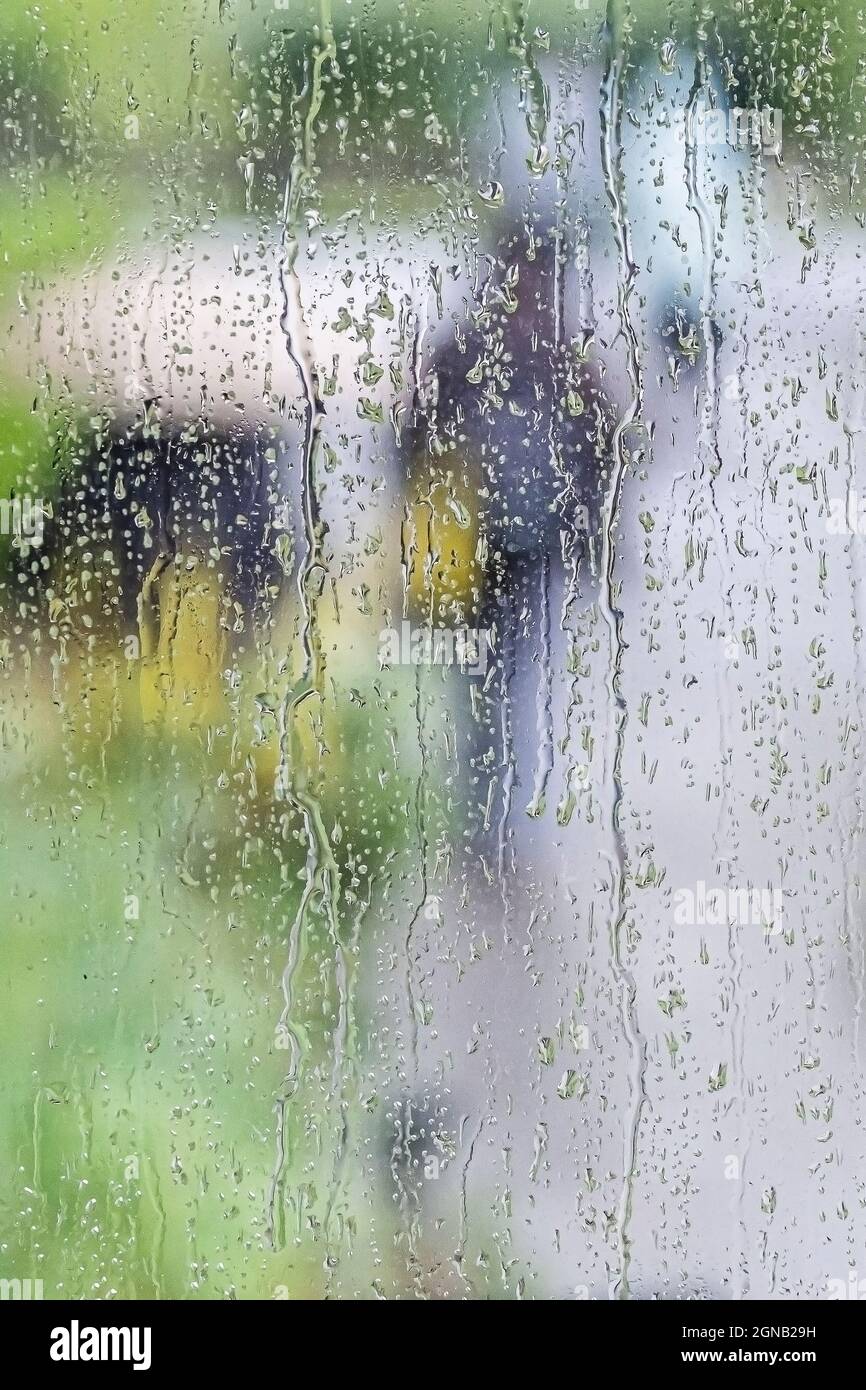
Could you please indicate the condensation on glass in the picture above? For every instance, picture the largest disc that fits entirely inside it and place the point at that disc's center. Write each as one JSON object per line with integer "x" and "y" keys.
{"x": 431, "y": 650}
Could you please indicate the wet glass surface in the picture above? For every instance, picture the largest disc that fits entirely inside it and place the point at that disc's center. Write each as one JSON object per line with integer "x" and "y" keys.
{"x": 431, "y": 650}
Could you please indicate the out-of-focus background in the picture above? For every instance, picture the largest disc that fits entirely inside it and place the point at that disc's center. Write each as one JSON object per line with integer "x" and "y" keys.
{"x": 431, "y": 671}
